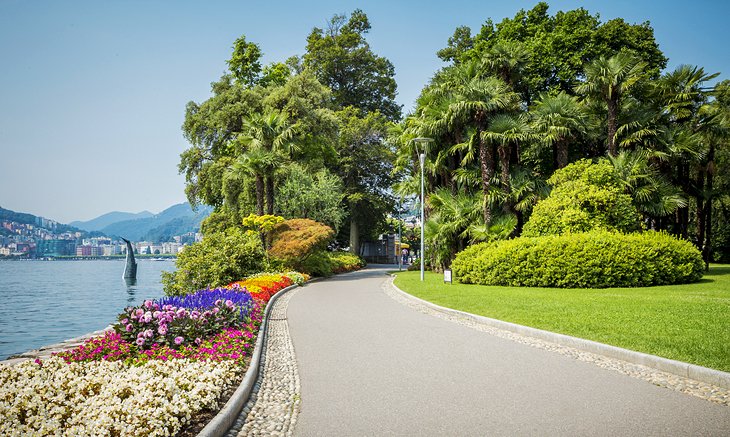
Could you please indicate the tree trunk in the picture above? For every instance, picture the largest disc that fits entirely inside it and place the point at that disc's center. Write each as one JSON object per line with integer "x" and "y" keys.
{"x": 699, "y": 198}
{"x": 707, "y": 247}
{"x": 683, "y": 213}
{"x": 504, "y": 158}
{"x": 611, "y": 123}
{"x": 354, "y": 236}
{"x": 561, "y": 149}
{"x": 259, "y": 194}
{"x": 270, "y": 195}
{"x": 486, "y": 163}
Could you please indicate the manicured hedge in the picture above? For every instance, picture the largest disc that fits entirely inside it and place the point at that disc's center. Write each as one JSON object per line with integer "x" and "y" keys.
{"x": 595, "y": 259}
{"x": 324, "y": 263}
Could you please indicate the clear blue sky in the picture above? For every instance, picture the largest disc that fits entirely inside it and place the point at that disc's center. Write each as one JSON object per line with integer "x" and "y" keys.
{"x": 93, "y": 93}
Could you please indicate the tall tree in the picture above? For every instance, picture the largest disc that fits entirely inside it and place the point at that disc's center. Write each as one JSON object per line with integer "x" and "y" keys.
{"x": 365, "y": 166}
{"x": 558, "y": 120}
{"x": 479, "y": 99}
{"x": 269, "y": 134}
{"x": 559, "y": 45}
{"x": 342, "y": 59}
{"x": 607, "y": 80}
{"x": 245, "y": 62}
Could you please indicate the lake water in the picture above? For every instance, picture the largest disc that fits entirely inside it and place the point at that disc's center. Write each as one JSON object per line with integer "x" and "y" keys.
{"x": 45, "y": 302}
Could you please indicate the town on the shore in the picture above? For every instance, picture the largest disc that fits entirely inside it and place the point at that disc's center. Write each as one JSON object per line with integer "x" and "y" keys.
{"x": 27, "y": 241}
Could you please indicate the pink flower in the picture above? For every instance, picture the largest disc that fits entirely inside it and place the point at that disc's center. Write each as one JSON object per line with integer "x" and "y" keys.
{"x": 229, "y": 303}
{"x": 124, "y": 321}
{"x": 198, "y": 340}
{"x": 162, "y": 329}
{"x": 148, "y": 333}
{"x": 215, "y": 310}
{"x": 129, "y": 327}
{"x": 148, "y": 304}
{"x": 178, "y": 340}
{"x": 139, "y": 312}
{"x": 218, "y": 302}
{"x": 140, "y": 341}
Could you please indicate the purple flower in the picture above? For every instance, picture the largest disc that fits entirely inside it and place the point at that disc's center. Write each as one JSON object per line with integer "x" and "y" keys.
{"x": 178, "y": 340}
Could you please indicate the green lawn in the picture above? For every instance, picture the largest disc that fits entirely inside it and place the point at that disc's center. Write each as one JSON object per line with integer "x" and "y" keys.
{"x": 689, "y": 323}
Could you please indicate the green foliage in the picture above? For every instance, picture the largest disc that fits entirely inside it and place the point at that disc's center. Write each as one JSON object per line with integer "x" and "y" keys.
{"x": 315, "y": 196}
{"x": 365, "y": 167}
{"x": 324, "y": 263}
{"x": 558, "y": 45}
{"x": 261, "y": 223}
{"x": 585, "y": 196}
{"x": 219, "y": 259}
{"x": 596, "y": 259}
{"x": 245, "y": 62}
{"x": 275, "y": 74}
{"x": 368, "y": 82}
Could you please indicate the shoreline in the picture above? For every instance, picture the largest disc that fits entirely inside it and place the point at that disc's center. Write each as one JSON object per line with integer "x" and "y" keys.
{"x": 45, "y": 352}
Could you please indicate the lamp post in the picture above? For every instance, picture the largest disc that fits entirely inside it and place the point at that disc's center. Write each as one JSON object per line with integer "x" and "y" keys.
{"x": 422, "y": 159}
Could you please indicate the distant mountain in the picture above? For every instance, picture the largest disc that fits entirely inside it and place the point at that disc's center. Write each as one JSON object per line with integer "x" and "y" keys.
{"x": 175, "y": 220}
{"x": 109, "y": 218}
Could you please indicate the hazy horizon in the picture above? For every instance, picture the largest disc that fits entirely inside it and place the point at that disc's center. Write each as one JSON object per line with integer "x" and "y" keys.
{"x": 94, "y": 93}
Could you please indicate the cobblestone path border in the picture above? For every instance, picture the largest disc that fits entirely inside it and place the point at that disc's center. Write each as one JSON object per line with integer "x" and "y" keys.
{"x": 671, "y": 381}
{"x": 273, "y": 407}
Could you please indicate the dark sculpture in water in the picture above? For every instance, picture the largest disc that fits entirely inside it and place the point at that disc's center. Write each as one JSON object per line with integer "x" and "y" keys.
{"x": 130, "y": 270}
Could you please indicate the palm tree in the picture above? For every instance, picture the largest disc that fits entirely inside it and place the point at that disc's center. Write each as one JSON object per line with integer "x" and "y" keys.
{"x": 506, "y": 60}
{"x": 478, "y": 100}
{"x": 268, "y": 140}
{"x": 447, "y": 228}
{"x": 652, "y": 193}
{"x": 257, "y": 163}
{"x": 608, "y": 79}
{"x": 558, "y": 120}
{"x": 507, "y": 131}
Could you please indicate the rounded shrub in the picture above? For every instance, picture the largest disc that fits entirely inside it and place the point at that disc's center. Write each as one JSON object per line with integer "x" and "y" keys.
{"x": 585, "y": 196}
{"x": 595, "y": 259}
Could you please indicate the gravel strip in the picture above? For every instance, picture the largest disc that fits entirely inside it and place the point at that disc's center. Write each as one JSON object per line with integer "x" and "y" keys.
{"x": 274, "y": 404}
{"x": 663, "y": 379}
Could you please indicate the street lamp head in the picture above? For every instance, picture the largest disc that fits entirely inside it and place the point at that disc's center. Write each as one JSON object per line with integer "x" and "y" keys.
{"x": 423, "y": 140}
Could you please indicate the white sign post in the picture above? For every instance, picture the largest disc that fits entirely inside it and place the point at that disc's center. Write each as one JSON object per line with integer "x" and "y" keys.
{"x": 447, "y": 276}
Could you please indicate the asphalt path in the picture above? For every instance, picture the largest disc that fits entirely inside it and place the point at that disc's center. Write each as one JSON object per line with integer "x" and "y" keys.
{"x": 370, "y": 366}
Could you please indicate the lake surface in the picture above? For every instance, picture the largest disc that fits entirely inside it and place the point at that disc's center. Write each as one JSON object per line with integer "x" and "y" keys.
{"x": 45, "y": 302}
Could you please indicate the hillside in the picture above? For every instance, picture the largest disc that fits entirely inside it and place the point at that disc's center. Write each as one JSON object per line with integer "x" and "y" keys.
{"x": 30, "y": 219}
{"x": 176, "y": 220}
{"x": 109, "y": 218}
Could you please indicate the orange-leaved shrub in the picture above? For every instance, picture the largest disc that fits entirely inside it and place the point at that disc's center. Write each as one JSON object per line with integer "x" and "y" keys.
{"x": 295, "y": 240}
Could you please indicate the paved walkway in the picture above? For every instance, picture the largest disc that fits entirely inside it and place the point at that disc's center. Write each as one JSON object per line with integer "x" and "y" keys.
{"x": 369, "y": 365}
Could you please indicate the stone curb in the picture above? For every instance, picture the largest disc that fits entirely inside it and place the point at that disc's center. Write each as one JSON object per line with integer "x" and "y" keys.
{"x": 687, "y": 370}
{"x": 226, "y": 417}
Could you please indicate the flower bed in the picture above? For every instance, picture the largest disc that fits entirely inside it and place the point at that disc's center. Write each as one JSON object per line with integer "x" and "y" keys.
{"x": 165, "y": 362}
